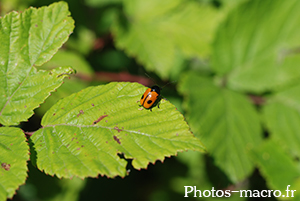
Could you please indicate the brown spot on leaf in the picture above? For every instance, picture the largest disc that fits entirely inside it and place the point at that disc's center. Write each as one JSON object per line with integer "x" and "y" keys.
{"x": 54, "y": 114}
{"x": 100, "y": 118}
{"x": 117, "y": 139}
{"x": 118, "y": 129}
{"x": 93, "y": 104}
{"x": 5, "y": 166}
{"x": 80, "y": 112}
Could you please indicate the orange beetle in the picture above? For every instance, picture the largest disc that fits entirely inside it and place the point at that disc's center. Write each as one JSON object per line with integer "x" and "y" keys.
{"x": 151, "y": 97}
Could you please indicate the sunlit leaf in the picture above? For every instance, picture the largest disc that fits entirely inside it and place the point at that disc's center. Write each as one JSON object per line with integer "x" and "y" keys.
{"x": 225, "y": 121}
{"x": 80, "y": 80}
{"x": 13, "y": 161}
{"x": 29, "y": 39}
{"x": 83, "y": 133}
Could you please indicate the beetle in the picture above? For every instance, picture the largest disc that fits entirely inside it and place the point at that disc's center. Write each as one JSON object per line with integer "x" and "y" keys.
{"x": 151, "y": 97}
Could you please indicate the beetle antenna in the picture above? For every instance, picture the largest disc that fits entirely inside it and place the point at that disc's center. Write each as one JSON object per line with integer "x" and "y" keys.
{"x": 168, "y": 84}
{"x": 150, "y": 78}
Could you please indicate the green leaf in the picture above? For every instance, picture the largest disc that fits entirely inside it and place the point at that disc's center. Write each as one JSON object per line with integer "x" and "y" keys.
{"x": 282, "y": 117}
{"x": 36, "y": 87}
{"x": 95, "y": 3}
{"x": 83, "y": 133}
{"x": 84, "y": 74}
{"x": 255, "y": 47}
{"x": 70, "y": 58}
{"x": 27, "y": 40}
{"x": 13, "y": 161}
{"x": 77, "y": 82}
{"x": 70, "y": 86}
{"x": 9, "y": 5}
{"x": 161, "y": 34}
{"x": 272, "y": 160}
{"x": 225, "y": 121}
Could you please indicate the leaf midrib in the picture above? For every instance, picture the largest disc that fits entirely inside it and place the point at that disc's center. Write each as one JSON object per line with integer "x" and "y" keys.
{"x": 110, "y": 128}
{"x": 31, "y": 63}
